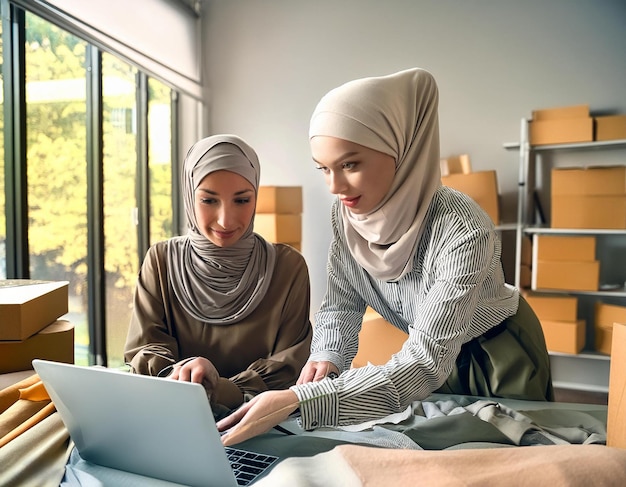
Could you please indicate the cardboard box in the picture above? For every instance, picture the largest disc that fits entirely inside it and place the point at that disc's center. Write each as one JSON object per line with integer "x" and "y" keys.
{"x": 607, "y": 212}
{"x": 565, "y": 131}
{"x": 616, "y": 416}
{"x": 378, "y": 340}
{"x": 55, "y": 342}
{"x": 605, "y": 315}
{"x": 589, "y": 181}
{"x": 564, "y": 336}
{"x": 603, "y": 339}
{"x": 564, "y": 247}
{"x": 27, "y": 306}
{"x": 481, "y": 186}
{"x": 611, "y": 127}
{"x": 456, "y": 165}
{"x": 560, "y": 113}
{"x": 566, "y": 275}
{"x": 553, "y": 308}
{"x": 279, "y": 199}
{"x": 275, "y": 227}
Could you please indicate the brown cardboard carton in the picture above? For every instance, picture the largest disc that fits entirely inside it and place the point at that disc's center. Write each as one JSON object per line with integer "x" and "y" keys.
{"x": 589, "y": 181}
{"x": 616, "y": 416}
{"x": 611, "y": 127}
{"x": 275, "y": 227}
{"x": 553, "y": 308}
{"x": 55, "y": 342}
{"x": 564, "y": 247}
{"x": 564, "y": 131}
{"x": 564, "y": 336}
{"x": 27, "y": 306}
{"x": 560, "y": 113}
{"x": 606, "y": 212}
{"x": 566, "y": 275}
{"x": 603, "y": 339}
{"x": 378, "y": 340}
{"x": 481, "y": 186}
{"x": 279, "y": 199}
{"x": 456, "y": 165}
{"x": 607, "y": 314}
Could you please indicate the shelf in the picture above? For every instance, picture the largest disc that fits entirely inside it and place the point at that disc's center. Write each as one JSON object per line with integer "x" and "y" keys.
{"x": 582, "y": 231}
{"x": 510, "y": 226}
{"x": 598, "y": 144}
{"x": 588, "y": 370}
{"x": 585, "y": 372}
{"x": 587, "y": 355}
{"x": 614, "y": 294}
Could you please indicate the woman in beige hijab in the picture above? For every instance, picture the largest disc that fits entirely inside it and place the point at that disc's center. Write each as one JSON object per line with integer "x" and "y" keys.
{"x": 220, "y": 305}
{"x": 424, "y": 256}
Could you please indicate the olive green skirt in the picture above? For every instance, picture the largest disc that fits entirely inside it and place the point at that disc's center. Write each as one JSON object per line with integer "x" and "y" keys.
{"x": 510, "y": 360}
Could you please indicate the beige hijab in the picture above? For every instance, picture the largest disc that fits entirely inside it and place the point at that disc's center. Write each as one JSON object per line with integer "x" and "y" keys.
{"x": 396, "y": 115}
{"x": 213, "y": 284}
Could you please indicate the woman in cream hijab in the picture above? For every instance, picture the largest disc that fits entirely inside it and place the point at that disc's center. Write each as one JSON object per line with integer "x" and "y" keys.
{"x": 221, "y": 306}
{"x": 424, "y": 256}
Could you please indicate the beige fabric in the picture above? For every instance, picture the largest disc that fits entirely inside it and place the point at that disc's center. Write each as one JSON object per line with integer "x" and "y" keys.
{"x": 533, "y": 466}
{"x": 396, "y": 115}
{"x": 266, "y": 350}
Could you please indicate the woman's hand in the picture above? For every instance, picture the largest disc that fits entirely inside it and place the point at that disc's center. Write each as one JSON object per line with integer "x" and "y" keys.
{"x": 199, "y": 370}
{"x": 316, "y": 371}
{"x": 259, "y": 415}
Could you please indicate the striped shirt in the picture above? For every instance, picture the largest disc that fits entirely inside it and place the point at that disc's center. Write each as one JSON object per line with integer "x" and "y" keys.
{"x": 454, "y": 293}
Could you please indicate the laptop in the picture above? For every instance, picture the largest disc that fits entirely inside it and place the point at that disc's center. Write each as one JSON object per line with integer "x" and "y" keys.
{"x": 144, "y": 425}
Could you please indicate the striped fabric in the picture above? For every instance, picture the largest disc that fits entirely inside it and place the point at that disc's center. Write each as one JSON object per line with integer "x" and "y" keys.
{"x": 455, "y": 292}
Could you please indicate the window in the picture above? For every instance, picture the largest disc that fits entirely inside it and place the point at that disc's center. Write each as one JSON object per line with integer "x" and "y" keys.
{"x": 121, "y": 258}
{"x": 85, "y": 153}
{"x": 56, "y": 112}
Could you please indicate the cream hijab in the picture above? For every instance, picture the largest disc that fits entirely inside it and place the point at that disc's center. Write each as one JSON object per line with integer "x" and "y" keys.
{"x": 396, "y": 115}
{"x": 213, "y": 284}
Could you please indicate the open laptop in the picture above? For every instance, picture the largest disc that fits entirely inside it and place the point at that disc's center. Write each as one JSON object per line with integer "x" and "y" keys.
{"x": 150, "y": 426}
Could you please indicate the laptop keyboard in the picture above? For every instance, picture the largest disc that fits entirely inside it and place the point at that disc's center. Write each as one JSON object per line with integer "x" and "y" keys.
{"x": 247, "y": 465}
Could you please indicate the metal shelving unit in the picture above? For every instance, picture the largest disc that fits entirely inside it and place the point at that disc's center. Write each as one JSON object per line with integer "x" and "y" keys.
{"x": 588, "y": 370}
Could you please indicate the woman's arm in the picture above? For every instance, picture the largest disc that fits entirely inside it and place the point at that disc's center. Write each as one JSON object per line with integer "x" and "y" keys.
{"x": 427, "y": 357}
{"x": 150, "y": 344}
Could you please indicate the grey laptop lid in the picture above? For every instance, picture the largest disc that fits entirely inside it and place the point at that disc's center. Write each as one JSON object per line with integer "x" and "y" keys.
{"x": 150, "y": 426}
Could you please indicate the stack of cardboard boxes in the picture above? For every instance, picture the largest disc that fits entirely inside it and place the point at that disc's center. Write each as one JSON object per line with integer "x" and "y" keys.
{"x": 29, "y": 324}
{"x": 591, "y": 197}
{"x": 562, "y": 263}
{"x": 481, "y": 186}
{"x": 574, "y": 124}
{"x": 565, "y": 262}
{"x": 562, "y": 329}
{"x": 279, "y": 214}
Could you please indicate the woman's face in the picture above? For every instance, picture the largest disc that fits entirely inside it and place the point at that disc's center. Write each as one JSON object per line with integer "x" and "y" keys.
{"x": 359, "y": 176}
{"x": 224, "y": 205}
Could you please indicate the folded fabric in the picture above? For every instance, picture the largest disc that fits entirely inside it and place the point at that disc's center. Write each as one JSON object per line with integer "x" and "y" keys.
{"x": 23, "y": 405}
{"x": 361, "y": 466}
{"x": 34, "y": 443}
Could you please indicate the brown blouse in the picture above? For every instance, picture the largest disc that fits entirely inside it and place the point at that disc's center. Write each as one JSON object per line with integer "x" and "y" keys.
{"x": 264, "y": 351}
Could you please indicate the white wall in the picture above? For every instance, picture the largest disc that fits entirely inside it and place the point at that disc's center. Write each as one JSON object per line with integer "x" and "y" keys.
{"x": 268, "y": 62}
